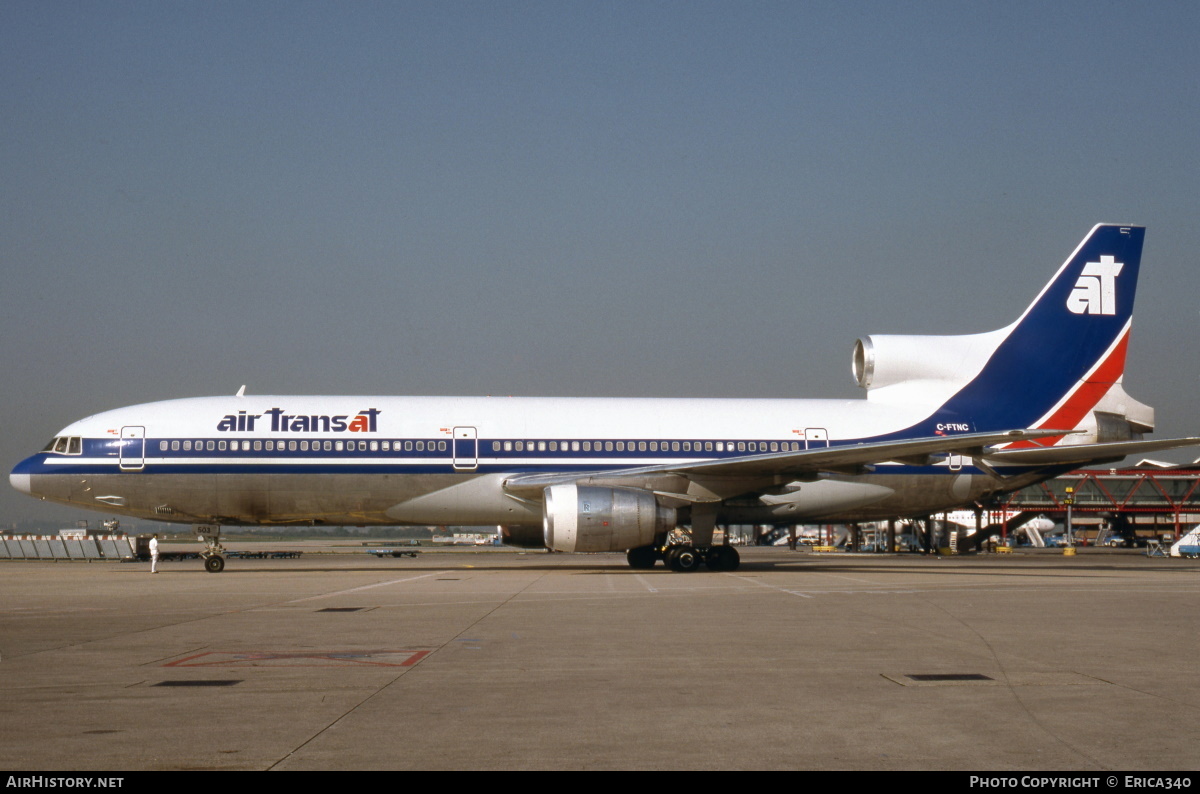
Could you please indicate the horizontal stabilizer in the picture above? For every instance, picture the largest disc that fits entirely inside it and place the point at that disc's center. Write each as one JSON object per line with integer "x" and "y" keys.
{"x": 1080, "y": 454}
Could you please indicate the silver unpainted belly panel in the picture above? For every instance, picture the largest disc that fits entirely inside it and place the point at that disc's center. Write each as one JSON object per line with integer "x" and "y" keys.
{"x": 354, "y": 499}
{"x": 454, "y": 498}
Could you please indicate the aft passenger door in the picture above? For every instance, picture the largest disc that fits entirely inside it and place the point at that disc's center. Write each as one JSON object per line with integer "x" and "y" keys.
{"x": 133, "y": 448}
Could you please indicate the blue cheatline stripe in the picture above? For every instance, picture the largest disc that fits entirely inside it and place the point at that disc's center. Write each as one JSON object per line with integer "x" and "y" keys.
{"x": 104, "y": 448}
{"x": 343, "y": 465}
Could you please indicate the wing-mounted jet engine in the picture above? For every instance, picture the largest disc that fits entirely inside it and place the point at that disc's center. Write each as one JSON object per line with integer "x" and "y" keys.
{"x": 581, "y": 518}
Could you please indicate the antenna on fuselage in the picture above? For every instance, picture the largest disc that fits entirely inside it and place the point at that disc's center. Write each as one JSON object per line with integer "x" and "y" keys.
{"x": 242, "y": 391}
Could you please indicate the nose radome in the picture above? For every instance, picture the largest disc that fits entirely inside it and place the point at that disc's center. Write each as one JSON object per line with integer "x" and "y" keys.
{"x": 20, "y": 482}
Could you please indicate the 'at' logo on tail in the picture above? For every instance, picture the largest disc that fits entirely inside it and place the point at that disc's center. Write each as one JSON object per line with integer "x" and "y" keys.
{"x": 1095, "y": 291}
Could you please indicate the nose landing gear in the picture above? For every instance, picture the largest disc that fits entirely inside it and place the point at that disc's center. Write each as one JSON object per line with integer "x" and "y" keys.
{"x": 214, "y": 552}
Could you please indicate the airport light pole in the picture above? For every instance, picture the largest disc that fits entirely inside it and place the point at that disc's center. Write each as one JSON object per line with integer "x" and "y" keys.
{"x": 1070, "y": 500}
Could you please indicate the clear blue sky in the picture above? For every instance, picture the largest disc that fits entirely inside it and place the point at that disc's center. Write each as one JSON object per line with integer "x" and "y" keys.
{"x": 568, "y": 198}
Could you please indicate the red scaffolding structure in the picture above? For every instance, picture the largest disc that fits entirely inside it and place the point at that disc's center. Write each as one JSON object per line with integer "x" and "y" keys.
{"x": 1131, "y": 493}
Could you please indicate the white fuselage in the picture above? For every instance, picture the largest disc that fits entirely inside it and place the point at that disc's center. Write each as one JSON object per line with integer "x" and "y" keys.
{"x": 385, "y": 460}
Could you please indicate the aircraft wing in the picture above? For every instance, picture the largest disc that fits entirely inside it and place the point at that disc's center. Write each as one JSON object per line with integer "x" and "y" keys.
{"x": 847, "y": 457}
{"x": 1081, "y": 454}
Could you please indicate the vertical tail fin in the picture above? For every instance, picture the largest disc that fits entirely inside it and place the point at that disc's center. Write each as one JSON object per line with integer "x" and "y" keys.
{"x": 1061, "y": 363}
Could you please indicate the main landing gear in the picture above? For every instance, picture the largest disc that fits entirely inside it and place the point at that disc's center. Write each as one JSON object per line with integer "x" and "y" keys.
{"x": 685, "y": 558}
{"x": 214, "y": 553}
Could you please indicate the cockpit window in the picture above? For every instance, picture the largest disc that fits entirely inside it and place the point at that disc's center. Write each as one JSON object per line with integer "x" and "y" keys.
{"x": 65, "y": 445}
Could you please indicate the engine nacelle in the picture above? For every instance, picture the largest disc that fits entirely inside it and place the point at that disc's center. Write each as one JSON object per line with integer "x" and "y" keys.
{"x": 586, "y": 518}
{"x": 930, "y": 363}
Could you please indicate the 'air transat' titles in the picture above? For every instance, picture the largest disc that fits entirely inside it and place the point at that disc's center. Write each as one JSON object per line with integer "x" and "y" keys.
{"x": 363, "y": 422}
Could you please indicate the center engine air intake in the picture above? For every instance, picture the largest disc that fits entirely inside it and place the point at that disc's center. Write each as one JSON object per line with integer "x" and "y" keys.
{"x": 587, "y": 518}
{"x": 934, "y": 365}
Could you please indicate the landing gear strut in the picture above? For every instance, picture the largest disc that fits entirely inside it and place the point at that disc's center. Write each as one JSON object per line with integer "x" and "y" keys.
{"x": 214, "y": 552}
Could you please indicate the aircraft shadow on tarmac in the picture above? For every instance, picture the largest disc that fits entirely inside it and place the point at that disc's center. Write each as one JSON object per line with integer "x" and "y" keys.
{"x": 1058, "y": 567}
